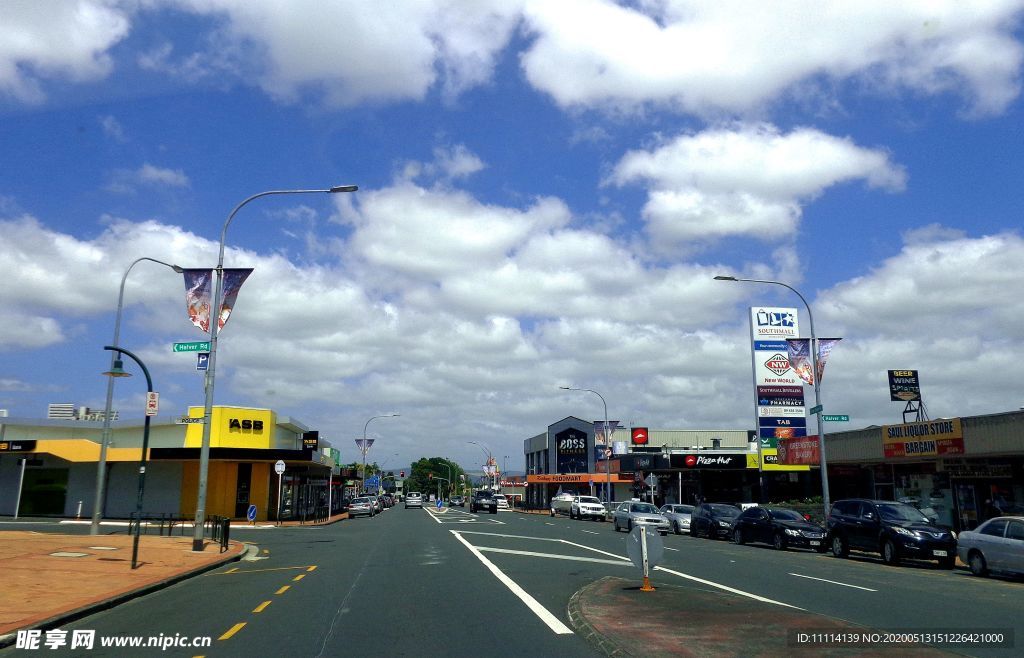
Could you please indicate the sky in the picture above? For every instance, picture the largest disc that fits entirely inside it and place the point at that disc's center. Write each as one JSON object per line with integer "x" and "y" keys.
{"x": 546, "y": 191}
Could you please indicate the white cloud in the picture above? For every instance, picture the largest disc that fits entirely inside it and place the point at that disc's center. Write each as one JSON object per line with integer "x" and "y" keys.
{"x": 748, "y": 180}
{"x": 48, "y": 39}
{"x": 708, "y": 57}
{"x": 112, "y": 128}
{"x": 125, "y": 181}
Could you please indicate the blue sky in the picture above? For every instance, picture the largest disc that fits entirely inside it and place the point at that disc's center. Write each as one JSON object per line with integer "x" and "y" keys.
{"x": 546, "y": 191}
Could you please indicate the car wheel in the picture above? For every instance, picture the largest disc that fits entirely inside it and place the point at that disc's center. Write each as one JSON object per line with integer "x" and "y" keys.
{"x": 737, "y": 536}
{"x": 693, "y": 532}
{"x": 494, "y": 511}
{"x": 977, "y": 563}
{"x": 839, "y": 546}
{"x": 629, "y": 525}
{"x": 615, "y": 524}
{"x": 778, "y": 542}
{"x": 676, "y": 530}
{"x": 889, "y": 555}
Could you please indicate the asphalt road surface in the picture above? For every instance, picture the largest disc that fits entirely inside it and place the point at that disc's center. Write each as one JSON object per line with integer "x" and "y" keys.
{"x": 422, "y": 583}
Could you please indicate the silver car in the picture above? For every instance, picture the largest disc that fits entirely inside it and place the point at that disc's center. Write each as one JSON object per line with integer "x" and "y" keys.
{"x": 995, "y": 545}
{"x": 361, "y": 505}
{"x": 634, "y": 513}
{"x": 678, "y": 517}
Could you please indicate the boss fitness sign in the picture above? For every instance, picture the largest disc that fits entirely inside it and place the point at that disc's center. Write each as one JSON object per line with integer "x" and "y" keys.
{"x": 924, "y": 439}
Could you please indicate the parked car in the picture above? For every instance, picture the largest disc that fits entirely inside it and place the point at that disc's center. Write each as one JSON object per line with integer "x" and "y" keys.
{"x": 780, "y": 527}
{"x": 457, "y": 501}
{"x": 892, "y": 529}
{"x": 502, "y": 501}
{"x": 587, "y": 507}
{"x": 361, "y": 506}
{"x": 995, "y": 545}
{"x": 633, "y": 513}
{"x": 484, "y": 500}
{"x": 414, "y": 499}
{"x": 678, "y": 517}
{"x": 713, "y": 520}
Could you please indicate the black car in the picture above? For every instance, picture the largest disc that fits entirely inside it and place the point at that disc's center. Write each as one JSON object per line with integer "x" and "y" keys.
{"x": 713, "y": 520}
{"x": 894, "y": 530}
{"x": 484, "y": 500}
{"x": 780, "y": 527}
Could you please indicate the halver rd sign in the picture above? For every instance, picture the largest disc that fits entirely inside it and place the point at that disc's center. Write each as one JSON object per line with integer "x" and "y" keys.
{"x": 841, "y": 418}
{"x": 198, "y": 346}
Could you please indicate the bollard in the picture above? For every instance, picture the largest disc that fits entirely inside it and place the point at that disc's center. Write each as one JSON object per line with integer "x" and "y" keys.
{"x": 78, "y": 514}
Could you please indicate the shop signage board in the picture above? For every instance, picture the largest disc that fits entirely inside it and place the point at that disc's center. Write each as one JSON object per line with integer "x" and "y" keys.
{"x": 17, "y": 446}
{"x": 904, "y": 386}
{"x": 710, "y": 461}
{"x": 779, "y": 403}
{"x": 924, "y": 439}
{"x": 802, "y": 451}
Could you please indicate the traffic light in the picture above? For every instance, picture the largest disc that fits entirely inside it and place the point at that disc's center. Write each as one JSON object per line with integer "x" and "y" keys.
{"x": 401, "y": 473}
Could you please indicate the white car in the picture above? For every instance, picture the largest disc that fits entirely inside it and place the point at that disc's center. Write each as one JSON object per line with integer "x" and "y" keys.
{"x": 414, "y": 499}
{"x": 995, "y": 545}
{"x": 583, "y": 507}
{"x": 502, "y": 501}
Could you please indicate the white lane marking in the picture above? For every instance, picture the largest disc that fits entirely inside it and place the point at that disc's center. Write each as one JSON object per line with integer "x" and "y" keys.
{"x": 552, "y": 621}
{"x": 727, "y": 588}
{"x": 834, "y": 582}
{"x": 553, "y": 556}
{"x": 590, "y": 532}
{"x": 671, "y": 549}
{"x": 546, "y": 523}
{"x": 626, "y": 559}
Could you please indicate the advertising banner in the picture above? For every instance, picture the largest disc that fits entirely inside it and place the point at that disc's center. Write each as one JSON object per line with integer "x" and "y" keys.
{"x": 804, "y": 450}
{"x": 904, "y": 386}
{"x": 716, "y": 461}
{"x": 923, "y": 439}
{"x": 571, "y": 451}
{"x": 799, "y": 354}
{"x": 198, "y": 296}
{"x": 364, "y": 445}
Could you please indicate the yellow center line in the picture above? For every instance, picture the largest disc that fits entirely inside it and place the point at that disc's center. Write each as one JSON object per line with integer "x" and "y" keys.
{"x": 312, "y": 568}
{"x": 231, "y": 631}
{"x": 233, "y": 571}
{"x": 283, "y": 589}
{"x": 261, "y": 607}
{"x": 299, "y": 577}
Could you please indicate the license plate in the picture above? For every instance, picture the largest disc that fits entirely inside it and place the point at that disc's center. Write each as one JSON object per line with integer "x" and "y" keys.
{"x": 815, "y": 543}
{"x": 939, "y": 553}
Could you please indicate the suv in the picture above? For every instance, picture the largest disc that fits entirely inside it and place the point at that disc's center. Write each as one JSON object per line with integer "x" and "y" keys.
{"x": 414, "y": 499}
{"x": 587, "y": 507}
{"x": 484, "y": 500}
{"x": 894, "y": 530}
{"x": 713, "y": 520}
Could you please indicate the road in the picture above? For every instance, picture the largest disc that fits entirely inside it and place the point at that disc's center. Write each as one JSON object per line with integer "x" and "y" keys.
{"x": 416, "y": 582}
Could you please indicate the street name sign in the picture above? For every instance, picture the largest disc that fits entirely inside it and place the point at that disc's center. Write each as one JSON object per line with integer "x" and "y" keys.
{"x": 838, "y": 418}
{"x": 195, "y": 346}
{"x": 814, "y": 410}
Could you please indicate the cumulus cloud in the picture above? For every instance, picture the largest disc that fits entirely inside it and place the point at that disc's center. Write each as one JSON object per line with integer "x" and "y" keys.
{"x": 749, "y": 180}
{"x": 47, "y": 40}
{"x": 706, "y": 58}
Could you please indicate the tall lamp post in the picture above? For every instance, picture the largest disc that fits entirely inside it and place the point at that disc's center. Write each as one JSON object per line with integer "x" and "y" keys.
{"x": 364, "y": 449}
{"x": 607, "y": 441}
{"x": 101, "y": 468}
{"x": 490, "y": 462}
{"x": 814, "y": 374}
{"x": 204, "y": 450}
{"x": 117, "y": 370}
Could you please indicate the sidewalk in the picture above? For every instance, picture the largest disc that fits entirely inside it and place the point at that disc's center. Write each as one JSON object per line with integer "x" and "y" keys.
{"x": 50, "y": 579}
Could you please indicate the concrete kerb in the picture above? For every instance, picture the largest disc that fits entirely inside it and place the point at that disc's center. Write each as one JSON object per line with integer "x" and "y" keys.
{"x": 588, "y": 630}
{"x": 71, "y": 615}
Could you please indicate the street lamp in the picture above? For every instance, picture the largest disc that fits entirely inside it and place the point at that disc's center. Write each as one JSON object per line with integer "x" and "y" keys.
{"x": 204, "y": 450}
{"x": 101, "y": 467}
{"x": 815, "y": 379}
{"x": 117, "y": 370}
{"x": 490, "y": 462}
{"x": 364, "y": 448}
{"x": 607, "y": 441}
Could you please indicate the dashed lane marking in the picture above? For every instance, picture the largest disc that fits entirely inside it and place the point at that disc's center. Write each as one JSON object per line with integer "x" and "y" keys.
{"x": 283, "y": 589}
{"x": 231, "y": 631}
{"x": 834, "y": 582}
{"x": 263, "y": 606}
{"x": 299, "y": 577}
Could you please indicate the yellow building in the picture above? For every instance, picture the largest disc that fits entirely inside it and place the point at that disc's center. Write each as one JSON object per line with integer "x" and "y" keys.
{"x": 49, "y": 467}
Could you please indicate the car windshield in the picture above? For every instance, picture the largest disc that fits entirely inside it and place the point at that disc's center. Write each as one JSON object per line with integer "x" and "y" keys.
{"x": 785, "y": 515}
{"x": 680, "y": 509}
{"x": 589, "y": 499}
{"x": 900, "y": 513}
{"x": 644, "y": 508}
{"x": 725, "y": 510}
{"x": 361, "y": 500}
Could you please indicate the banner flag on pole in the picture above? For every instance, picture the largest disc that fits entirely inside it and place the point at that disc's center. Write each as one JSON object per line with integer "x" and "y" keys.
{"x": 800, "y": 357}
{"x": 364, "y": 445}
{"x": 233, "y": 280}
{"x": 198, "y": 284}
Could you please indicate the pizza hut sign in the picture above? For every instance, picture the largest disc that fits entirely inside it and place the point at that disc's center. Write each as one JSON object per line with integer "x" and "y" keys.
{"x": 710, "y": 461}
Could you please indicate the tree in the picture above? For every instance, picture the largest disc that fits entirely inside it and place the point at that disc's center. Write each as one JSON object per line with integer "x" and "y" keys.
{"x": 440, "y": 467}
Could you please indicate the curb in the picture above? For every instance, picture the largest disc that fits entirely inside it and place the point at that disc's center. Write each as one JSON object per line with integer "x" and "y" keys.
{"x": 587, "y": 630}
{"x": 92, "y": 608}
